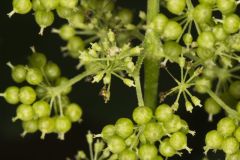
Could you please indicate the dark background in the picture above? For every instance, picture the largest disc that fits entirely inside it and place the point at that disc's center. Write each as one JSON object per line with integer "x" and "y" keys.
{"x": 16, "y": 36}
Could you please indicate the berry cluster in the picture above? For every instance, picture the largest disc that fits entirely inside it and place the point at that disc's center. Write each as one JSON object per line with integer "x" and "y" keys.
{"x": 201, "y": 58}
{"x": 163, "y": 129}
{"x": 44, "y": 90}
{"x": 86, "y": 18}
{"x": 226, "y": 138}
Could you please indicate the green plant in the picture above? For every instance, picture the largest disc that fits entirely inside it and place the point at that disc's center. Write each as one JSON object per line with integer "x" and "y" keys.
{"x": 108, "y": 42}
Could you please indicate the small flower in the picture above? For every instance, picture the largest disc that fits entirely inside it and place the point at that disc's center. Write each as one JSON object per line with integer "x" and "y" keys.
{"x": 189, "y": 106}
{"x": 196, "y": 101}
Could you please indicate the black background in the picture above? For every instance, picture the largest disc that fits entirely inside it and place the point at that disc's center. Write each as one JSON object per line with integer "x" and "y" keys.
{"x": 16, "y": 36}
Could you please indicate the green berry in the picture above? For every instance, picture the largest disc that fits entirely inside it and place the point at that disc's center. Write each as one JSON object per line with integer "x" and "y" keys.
{"x": 159, "y": 23}
{"x": 42, "y": 109}
{"x": 19, "y": 73}
{"x": 147, "y": 151}
{"x": 108, "y": 131}
{"x": 36, "y": 5}
{"x": 173, "y": 125}
{"x": 163, "y": 113}
{"x": 50, "y": 4}
{"x": 234, "y": 89}
{"x": 172, "y": 30}
{"x": 52, "y": 71}
{"x": 219, "y": 33}
{"x": 11, "y": 95}
{"x": 142, "y": 115}
{"x": 116, "y": 144}
{"x": 172, "y": 49}
{"x": 66, "y": 32}
{"x": 73, "y": 111}
{"x": 125, "y": 15}
{"x": 62, "y": 124}
{"x": 202, "y": 85}
{"x": 24, "y": 112}
{"x": 202, "y": 13}
{"x": 212, "y": 107}
{"x": 127, "y": 155}
{"x": 27, "y": 95}
{"x": 37, "y": 60}
{"x": 68, "y": 3}
{"x": 153, "y": 132}
{"x": 176, "y": 6}
{"x": 226, "y": 126}
{"x": 214, "y": 140}
{"x": 230, "y": 145}
{"x": 22, "y": 6}
{"x": 226, "y": 6}
{"x": 30, "y": 126}
{"x": 76, "y": 20}
{"x": 124, "y": 127}
{"x": 178, "y": 141}
{"x": 34, "y": 76}
{"x": 74, "y": 46}
{"x": 46, "y": 125}
{"x": 64, "y": 12}
{"x": 206, "y": 40}
{"x": 231, "y": 23}
{"x": 166, "y": 149}
{"x": 44, "y": 19}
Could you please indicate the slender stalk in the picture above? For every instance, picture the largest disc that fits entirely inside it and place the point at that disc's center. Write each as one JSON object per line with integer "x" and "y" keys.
{"x": 74, "y": 80}
{"x": 2, "y": 94}
{"x": 228, "y": 109}
{"x": 152, "y": 45}
{"x": 136, "y": 75}
{"x": 91, "y": 151}
{"x": 139, "y": 91}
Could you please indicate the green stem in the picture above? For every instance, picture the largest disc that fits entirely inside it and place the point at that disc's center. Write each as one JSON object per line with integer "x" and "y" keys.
{"x": 139, "y": 91}
{"x": 2, "y": 94}
{"x": 228, "y": 109}
{"x": 74, "y": 80}
{"x": 152, "y": 45}
{"x": 136, "y": 75}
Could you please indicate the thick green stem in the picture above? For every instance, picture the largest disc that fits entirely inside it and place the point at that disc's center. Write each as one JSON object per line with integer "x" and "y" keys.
{"x": 152, "y": 45}
{"x": 228, "y": 109}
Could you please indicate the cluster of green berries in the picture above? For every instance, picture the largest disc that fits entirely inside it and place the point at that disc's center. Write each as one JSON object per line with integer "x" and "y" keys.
{"x": 44, "y": 11}
{"x": 216, "y": 37}
{"x": 91, "y": 26}
{"x": 88, "y": 21}
{"x": 226, "y": 138}
{"x": 41, "y": 105}
{"x": 155, "y": 135}
{"x": 214, "y": 50}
